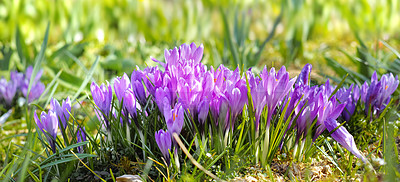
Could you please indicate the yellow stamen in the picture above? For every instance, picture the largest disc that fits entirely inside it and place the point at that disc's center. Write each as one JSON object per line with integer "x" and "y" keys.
{"x": 173, "y": 116}
{"x": 386, "y": 87}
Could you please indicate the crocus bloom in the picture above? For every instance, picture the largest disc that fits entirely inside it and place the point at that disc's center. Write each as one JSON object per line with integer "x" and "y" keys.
{"x": 388, "y": 85}
{"x": 163, "y": 140}
{"x": 305, "y": 120}
{"x": 80, "y": 137}
{"x": 184, "y": 53}
{"x": 61, "y": 111}
{"x": 349, "y": 97}
{"x": 277, "y": 86}
{"x": 342, "y": 136}
{"x": 304, "y": 75}
{"x": 378, "y": 93}
{"x": 203, "y": 111}
{"x": 174, "y": 118}
{"x": 17, "y": 77}
{"x": 236, "y": 97}
{"x": 48, "y": 124}
{"x": 130, "y": 103}
{"x": 28, "y": 74}
{"x": 152, "y": 79}
{"x": 258, "y": 96}
{"x": 120, "y": 85}
{"x": 137, "y": 86}
{"x": 163, "y": 97}
{"x": 37, "y": 87}
{"x": 329, "y": 109}
{"x": 8, "y": 90}
{"x": 102, "y": 97}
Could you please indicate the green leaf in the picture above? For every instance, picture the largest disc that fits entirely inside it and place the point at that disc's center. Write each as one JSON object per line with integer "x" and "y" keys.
{"x": 21, "y": 47}
{"x": 87, "y": 78}
{"x": 228, "y": 36}
{"x": 38, "y": 60}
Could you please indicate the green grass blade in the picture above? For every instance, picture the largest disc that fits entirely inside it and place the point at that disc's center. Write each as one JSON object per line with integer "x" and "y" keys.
{"x": 87, "y": 79}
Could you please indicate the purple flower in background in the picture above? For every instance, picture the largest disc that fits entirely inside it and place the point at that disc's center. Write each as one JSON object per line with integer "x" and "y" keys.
{"x": 163, "y": 140}
{"x": 28, "y": 74}
{"x": 48, "y": 123}
{"x": 277, "y": 86}
{"x": 120, "y": 85}
{"x": 174, "y": 118}
{"x": 17, "y": 78}
{"x": 137, "y": 86}
{"x": 62, "y": 111}
{"x": 35, "y": 92}
{"x": 8, "y": 90}
{"x": 37, "y": 87}
{"x": 342, "y": 136}
{"x": 102, "y": 97}
{"x": 80, "y": 137}
{"x": 304, "y": 75}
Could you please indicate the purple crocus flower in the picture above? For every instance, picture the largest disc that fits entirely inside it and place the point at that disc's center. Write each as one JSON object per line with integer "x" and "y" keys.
{"x": 305, "y": 120}
{"x": 389, "y": 85}
{"x": 62, "y": 111}
{"x": 8, "y": 90}
{"x": 48, "y": 124}
{"x": 102, "y": 97}
{"x": 236, "y": 97}
{"x": 120, "y": 85}
{"x": 349, "y": 97}
{"x": 342, "y": 136}
{"x": 80, "y": 137}
{"x": 174, "y": 118}
{"x": 378, "y": 93}
{"x": 37, "y": 87}
{"x": 258, "y": 96}
{"x": 28, "y": 74}
{"x": 304, "y": 75}
{"x": 17, "y": 78}
{"x": 130, "y": 103}
{"x": 163, "y": 140}
{"x": 203, "y": 111}
{"x": 277, "y": 86}
{"x": 137, "y": 86}
{"x": 163, "y": 98}
{"x": 152, "y": 79}
{"x": 328, "y": 109}
{"x": 185, "y": 52}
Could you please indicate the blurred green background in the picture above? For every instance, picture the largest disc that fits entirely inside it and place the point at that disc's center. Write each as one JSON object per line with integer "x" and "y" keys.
{"x": 125, "y": 33}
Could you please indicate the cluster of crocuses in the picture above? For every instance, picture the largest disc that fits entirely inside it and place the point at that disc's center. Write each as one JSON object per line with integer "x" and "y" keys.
{"x": 19, "y": 83}
{"x": 56, "y": 119}
{"x": 219, "y": 95}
